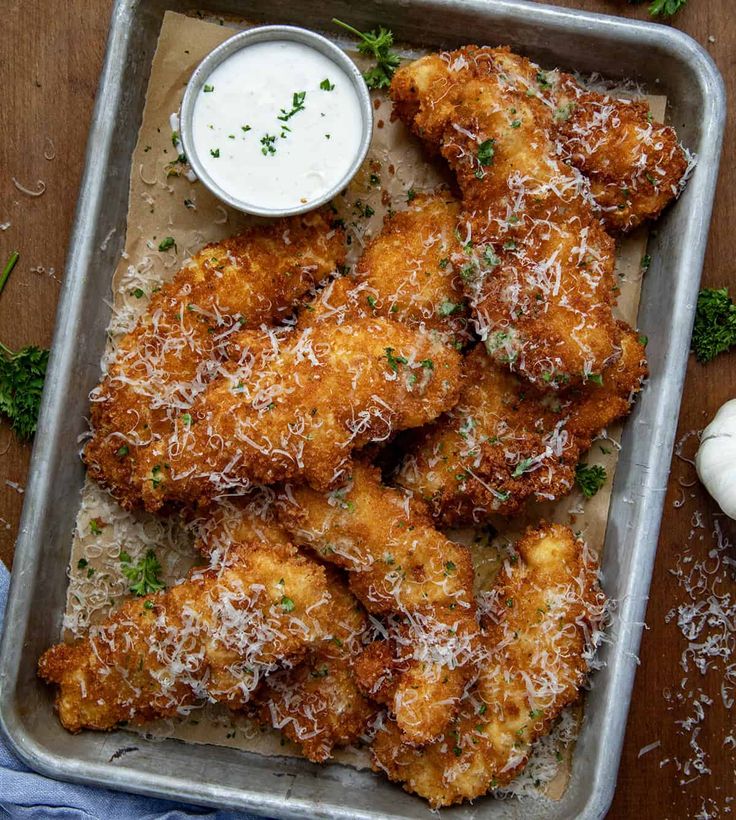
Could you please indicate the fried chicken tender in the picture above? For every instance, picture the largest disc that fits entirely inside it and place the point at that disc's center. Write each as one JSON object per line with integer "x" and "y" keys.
{"x": 635, "y": 166}
{"x": 504, "y": 443}
{"x": 212, "y": 637}
{"x": 400, "y": 567}
{"x": 538, "y": 266}
{"x": 142, "y": 407}
{"x": 317, "y": 704}
{"x": 543, "y": 623}
{"x": 406, "y": 273}
{"x": 296, "y": 408}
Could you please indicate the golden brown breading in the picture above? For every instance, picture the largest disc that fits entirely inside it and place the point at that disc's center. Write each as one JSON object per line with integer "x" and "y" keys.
{"x": 141, "y": 408}
{"x": 214, "y": 636}
{"x": 401, "y": 566}
{"x": 635, "y": 166}
{"x": 296, "y": 408}
{"x": 504, "y": 443}
{"x": 406, "y": 273}
{"x": 536, "y": 258}
{"x": 542, "y": 625}
{"x": 318, "y": 704}
{"x": 408, "y": 268}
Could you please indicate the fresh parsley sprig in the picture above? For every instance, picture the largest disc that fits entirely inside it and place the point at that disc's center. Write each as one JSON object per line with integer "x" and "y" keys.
{"x": 665, "y": 8}
{"x": 143, "y": 575}
{"x": 376, "y": 44}
{"x": 590, "y": 478}
{"x": 714, "y": 330}
{"x": 22, "y": 375}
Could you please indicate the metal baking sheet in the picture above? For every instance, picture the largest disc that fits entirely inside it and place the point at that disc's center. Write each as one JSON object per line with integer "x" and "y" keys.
{"x": 666, "y": 62}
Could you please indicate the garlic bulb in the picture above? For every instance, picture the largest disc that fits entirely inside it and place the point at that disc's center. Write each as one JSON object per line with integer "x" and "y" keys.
{"x": 716, "y": 458}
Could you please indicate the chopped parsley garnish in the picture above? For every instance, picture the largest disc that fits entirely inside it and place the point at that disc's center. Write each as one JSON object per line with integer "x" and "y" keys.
{"x": 394, "y": 361}
{"x": 410, "y": 195}
{"x": 490, "y": 256}
{"x": 486, "y": 150}
{"x": 427, "y": 364}
{"x": 596, "y": 378}
{"x": 139, "y": 293}
{"x": 207, "y": 88}
{"x": 371, "y": 300}
{"x": 326, "y": 85}
{"x": 590, "y": 478}
{"x": 714, "y": 330}
{"x": 166, "y": 243}
{"x": 646, "y": 261}
{"x": 22, "y": 376}
{"x": 443, "y": 263}
{"x": 95, "y": 528}
{"x": 143, "y": 575}
{"x": 522, "y": 467}
{"x": 449, "y": 567}
{"x": 267, "y": 142}
{"x": 82, "y": 563}
{"x": 186, "y": 419}
{"x": 122, "y": 451}
{"x": 287, "y": 604}
{"x": 515, "y": 123}
{"x": 148, "y": 605}
{"x": 542, "y": 80}
{"x": 509, "y": 245}
{"x": 376, "y": 44}
{"x": 447, "y": 308}
{"x": 215, "y": 152}
{"x": 245, "y": 128}
{"x": 297, "y": 105}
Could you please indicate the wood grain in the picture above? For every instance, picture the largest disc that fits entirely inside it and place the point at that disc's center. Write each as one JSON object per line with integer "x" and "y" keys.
{"x": 49, "y": 67}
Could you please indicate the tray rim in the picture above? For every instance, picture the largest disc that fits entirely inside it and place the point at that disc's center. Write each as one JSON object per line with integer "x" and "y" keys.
{"x": 79, "y": 258}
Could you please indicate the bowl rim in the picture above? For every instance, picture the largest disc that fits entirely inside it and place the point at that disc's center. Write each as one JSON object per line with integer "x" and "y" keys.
{"x": 244, "y": 39}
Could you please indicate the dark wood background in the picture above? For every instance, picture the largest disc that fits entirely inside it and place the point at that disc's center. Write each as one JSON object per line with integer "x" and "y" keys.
{"x": 50, "y": 58}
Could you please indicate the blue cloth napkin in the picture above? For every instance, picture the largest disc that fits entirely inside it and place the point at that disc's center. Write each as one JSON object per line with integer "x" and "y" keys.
{"x": 25, "y": 794}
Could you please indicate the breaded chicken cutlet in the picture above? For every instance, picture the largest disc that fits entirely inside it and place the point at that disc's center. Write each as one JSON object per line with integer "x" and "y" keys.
{"x": 505, "y": 443}
{"x": 537, "y": 259}
{"x": 317, "y": 702}
{"x": 635, "y": 166}
{"x": 398, "y": 565}
{"x": 213, "y": 637}
{"x": 295, "y": 407}
{"x": 541, "y": 627}
{"x": 406, "y": 273}
{"x": 141, "y": 409}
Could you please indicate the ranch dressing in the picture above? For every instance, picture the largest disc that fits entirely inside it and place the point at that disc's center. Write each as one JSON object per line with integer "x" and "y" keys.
{"x": 277, "y": 124}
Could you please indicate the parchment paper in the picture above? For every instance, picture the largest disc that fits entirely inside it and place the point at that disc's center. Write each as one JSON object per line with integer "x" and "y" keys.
{"x": 164, "y": 202}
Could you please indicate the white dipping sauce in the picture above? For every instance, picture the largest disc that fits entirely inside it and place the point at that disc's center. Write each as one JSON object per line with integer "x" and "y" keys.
{"x": 277, "y": 124}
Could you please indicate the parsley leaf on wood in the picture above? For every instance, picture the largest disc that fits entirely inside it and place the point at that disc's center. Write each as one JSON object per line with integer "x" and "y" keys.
{"x": 714, "y": 330}
{"x": 21, "y": 377}
{"x": 666, "y": 8}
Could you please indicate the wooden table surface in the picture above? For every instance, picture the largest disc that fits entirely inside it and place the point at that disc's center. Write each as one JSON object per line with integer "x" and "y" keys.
{"x": 50, "y": 61}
